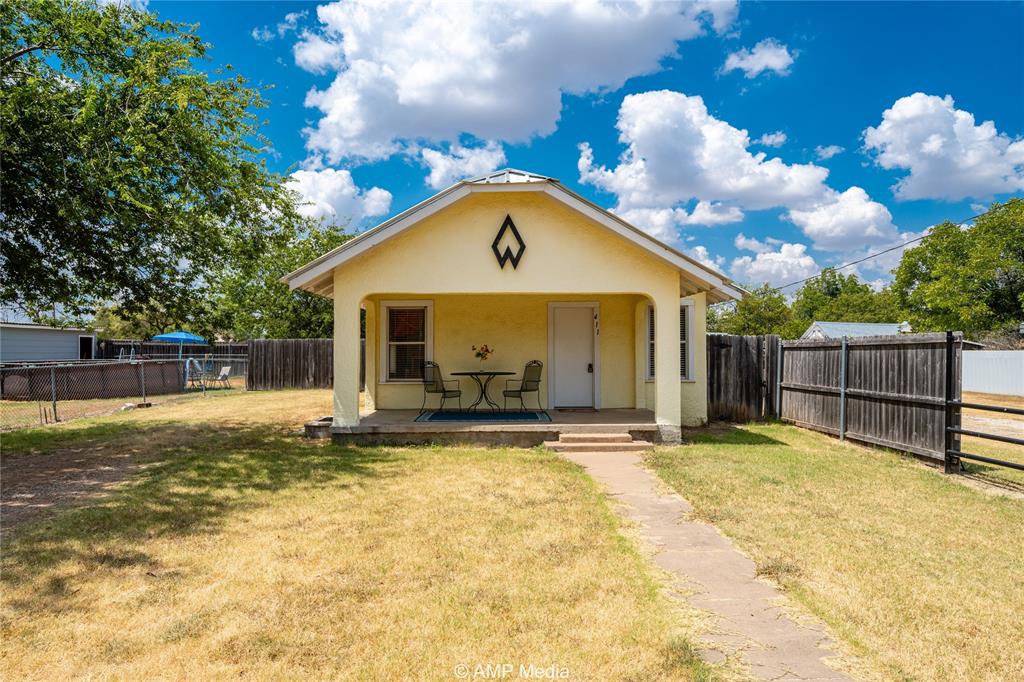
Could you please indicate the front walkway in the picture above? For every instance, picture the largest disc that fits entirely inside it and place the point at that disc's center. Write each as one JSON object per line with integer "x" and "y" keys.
{"x": 750, "y": 620}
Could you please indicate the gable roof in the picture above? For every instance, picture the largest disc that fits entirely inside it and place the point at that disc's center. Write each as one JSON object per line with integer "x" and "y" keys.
{"x": 835, "y": 330}
{"x": 314, "y": 276}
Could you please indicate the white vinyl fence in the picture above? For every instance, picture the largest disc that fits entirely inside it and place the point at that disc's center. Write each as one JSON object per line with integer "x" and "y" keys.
{"x": 994, "y": 371}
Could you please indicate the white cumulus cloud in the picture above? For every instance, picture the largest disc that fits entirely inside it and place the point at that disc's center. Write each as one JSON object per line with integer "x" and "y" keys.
{"x": 317, "y": 55}
{"x": 745, "y": 243}
{"x": 460, "y": 163}
{"x": 846, "y": 220}
{"x": 702, "y": 256}
{"x": 767, "y": 55}
{"x": 677, "y": 152}
{"x": 432, "y": 71}
{"x": 827, "y": 152}
{"x": 789, "y": 263}
{"x": 291, "y": 21}
{"x": 776, "y": 139}
{"x": 947, "y": 154}
{"x": 332, "y": 194}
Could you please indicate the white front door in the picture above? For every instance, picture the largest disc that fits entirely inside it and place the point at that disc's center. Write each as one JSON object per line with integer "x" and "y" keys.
{"x": 573, "y": 361}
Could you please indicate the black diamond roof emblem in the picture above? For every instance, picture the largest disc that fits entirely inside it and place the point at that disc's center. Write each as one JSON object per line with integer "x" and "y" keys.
{"x": 507, "y": 255}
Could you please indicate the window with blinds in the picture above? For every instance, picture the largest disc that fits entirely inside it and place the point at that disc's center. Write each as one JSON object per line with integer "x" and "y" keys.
{"x": 650, "y": 342}
{"x": 407, "y": 343}
{"x": 684, "y": 342}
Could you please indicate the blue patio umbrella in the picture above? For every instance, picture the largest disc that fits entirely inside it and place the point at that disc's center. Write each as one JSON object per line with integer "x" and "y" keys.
{"x": 180, "y": 338}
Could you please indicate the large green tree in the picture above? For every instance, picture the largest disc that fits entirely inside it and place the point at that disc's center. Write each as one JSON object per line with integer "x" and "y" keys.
{"x": 967, "y": 278}
{"x": 836, "y": 297}
{"x": 763, "y": 311}
{"x": 248, "y": 300}
{"x": 128, "y": 172}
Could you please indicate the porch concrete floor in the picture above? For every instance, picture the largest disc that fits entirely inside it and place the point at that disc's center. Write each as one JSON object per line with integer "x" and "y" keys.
{"x": 615, "y": 416}
{"x": 392, "y": 427}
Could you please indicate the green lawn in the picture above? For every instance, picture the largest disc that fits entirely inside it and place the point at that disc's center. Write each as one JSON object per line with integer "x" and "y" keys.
{"x": 918, "y": 574}
{"x": 241, "y": 550}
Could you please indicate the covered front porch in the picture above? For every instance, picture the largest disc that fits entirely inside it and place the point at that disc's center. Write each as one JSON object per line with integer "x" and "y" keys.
{"x": 593, "y": 353}
{"x": 591, "y": 349}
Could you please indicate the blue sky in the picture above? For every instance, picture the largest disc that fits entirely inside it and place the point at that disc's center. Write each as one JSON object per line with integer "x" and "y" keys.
{"x": 883, "y": 110}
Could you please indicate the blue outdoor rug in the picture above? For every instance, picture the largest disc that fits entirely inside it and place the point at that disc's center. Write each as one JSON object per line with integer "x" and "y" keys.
{"x": 484, "y": 416}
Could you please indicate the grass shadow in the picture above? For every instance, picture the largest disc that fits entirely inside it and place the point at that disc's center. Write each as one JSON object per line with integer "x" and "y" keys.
{"x": 188, "y": 488}
{"x": 728, "y": 433}
{"x": 992, "y": 474}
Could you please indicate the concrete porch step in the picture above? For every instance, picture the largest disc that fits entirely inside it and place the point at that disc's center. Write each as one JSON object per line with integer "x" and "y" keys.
{"x": 589, "y": 446}
{"x": 595, "y": 438}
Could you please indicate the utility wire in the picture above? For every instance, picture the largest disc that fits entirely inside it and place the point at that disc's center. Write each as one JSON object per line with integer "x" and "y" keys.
{"x": 873, "y": 255}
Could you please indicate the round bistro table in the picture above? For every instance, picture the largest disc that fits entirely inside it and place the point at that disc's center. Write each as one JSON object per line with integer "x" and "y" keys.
{"x": 483, "y": 379}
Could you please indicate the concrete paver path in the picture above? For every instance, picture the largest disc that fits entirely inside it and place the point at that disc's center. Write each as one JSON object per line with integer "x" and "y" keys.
{"x": 750, "y": 622}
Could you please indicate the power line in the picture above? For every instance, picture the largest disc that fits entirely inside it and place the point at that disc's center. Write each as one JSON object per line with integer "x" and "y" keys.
{"x": 873, "y": 255}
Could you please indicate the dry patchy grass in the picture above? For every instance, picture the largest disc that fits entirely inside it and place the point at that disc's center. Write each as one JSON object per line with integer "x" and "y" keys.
{"x": 244, "y": 551}
{"x": 919, "y": 576}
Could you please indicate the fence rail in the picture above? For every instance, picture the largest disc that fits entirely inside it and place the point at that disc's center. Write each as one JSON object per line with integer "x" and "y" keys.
{"x": 954, "y": 453}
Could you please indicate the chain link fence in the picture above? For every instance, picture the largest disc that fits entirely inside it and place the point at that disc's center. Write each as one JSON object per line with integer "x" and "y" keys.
{"x": 36, "y": 394}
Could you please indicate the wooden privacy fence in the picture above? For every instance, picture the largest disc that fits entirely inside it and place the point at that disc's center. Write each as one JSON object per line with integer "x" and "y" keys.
{"x": 892, "y": 391}
{"x": 295, "y": 363}
{"x": 742, "y": 372}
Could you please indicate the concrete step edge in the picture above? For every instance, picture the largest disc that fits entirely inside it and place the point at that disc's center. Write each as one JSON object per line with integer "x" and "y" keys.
{"x": 634, "y": 446}
{"x": 595, "y": 437}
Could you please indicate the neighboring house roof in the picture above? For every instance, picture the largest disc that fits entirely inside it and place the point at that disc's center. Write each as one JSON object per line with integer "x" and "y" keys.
{"x": 313, "y": 276}
{"x": 836, "y": 330}
{"x": 33, "y": 325}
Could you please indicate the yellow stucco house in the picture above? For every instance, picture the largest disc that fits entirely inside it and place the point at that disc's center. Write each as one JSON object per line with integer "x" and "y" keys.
{"x": 519, "y": 262}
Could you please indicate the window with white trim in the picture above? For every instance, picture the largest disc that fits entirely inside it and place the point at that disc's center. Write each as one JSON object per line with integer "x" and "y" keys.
{"x": 406, "y": 337}
{"x": 685, "y": 320}
{"x": 685, "y": 312}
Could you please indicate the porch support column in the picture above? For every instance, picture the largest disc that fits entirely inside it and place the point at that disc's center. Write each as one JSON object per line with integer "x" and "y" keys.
{"x": 346, "y": 357}
{"x": 668, "y": 406}
{"x": 370, "y": 392}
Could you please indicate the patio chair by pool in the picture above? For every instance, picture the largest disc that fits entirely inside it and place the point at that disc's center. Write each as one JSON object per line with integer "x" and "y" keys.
{"x": 530, "y": 383}
{"x": 433, "y": 383}
{"x": 224, "y": 378}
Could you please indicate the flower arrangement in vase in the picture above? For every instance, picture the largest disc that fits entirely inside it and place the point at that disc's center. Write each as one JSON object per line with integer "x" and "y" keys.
{"x": 482, "y": 353}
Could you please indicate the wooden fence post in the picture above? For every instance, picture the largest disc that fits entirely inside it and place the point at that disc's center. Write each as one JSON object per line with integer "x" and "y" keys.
{"x": 950, "y": 459}
{"x": 778, "y": 381}
{"x": 843, "y": 349}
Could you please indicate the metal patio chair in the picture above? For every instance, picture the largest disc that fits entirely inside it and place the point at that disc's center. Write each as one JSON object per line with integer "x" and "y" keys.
{"x": 224, "y": 378}
{"x": 530, "y": 383}
{"x": 434, "y": 384}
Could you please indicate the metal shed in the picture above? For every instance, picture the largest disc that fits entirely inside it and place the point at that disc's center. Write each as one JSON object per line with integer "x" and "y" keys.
{"x": 26, "y": 342}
